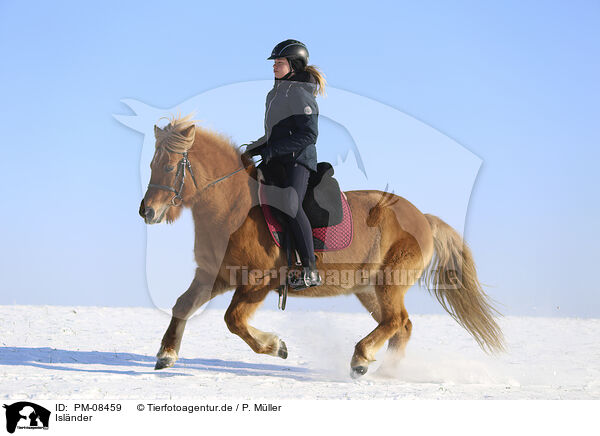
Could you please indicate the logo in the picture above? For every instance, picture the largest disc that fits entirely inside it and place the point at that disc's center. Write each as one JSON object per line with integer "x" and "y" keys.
{"x": 26, "y": 415}
{"x": 307, "y": 110}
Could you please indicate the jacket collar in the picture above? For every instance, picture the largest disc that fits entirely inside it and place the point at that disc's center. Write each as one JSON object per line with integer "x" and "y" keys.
{"x": 297, "y": 76}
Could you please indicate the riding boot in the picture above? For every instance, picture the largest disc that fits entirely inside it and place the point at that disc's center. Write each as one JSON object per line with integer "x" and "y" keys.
{"x": 308, "y": 277}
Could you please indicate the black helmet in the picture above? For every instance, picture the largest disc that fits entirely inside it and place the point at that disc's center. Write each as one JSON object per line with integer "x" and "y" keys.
{"x": 295, "y": 51}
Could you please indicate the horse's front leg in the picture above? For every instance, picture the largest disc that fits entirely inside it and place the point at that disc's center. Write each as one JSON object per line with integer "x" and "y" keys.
{"x": 201, "y": 290}
{"x": 244, "y": 303}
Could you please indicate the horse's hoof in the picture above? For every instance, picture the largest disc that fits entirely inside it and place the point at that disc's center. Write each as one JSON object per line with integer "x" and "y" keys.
{"x": 165, "y": 362}
{"x": 358, "y": 371}
{"x": 282, "y": 351}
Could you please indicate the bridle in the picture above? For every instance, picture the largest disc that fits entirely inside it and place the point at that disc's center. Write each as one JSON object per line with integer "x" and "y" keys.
{"x": 184, "y": 164}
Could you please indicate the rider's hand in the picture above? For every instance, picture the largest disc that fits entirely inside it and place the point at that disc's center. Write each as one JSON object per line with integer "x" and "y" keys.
{"x": 249, "y": 154}
{"x": 246, "y": 158}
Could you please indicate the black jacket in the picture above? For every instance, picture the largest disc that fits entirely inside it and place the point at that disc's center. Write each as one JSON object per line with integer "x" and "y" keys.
{"x": 291, "y": 122}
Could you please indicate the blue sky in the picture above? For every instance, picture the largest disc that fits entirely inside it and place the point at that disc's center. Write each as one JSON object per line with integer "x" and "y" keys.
{"x": 515, "y": 83}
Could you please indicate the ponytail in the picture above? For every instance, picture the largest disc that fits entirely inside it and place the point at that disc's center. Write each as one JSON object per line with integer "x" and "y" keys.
{"x": 319, "y": 78}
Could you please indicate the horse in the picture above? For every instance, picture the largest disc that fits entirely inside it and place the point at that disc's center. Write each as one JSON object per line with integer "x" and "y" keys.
{"x": 394, "y": 246}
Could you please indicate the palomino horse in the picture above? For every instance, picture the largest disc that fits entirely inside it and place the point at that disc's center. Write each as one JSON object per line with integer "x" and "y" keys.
{"x": 393, "y": 247}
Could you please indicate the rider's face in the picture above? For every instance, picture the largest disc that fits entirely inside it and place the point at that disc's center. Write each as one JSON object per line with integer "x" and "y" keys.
{"x": 281, "y": 67}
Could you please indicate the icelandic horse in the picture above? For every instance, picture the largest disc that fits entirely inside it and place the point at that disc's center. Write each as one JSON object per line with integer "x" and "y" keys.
{"x": 394, "y": 246}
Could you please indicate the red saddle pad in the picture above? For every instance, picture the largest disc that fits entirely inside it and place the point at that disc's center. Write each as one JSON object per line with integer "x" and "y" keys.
{"x": 329, "y": 238}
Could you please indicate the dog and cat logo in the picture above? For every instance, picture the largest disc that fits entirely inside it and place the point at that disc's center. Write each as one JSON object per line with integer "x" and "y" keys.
{"x": 26, "y": 415}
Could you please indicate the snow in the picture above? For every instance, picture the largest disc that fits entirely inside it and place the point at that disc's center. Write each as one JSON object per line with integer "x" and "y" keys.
{"x": 51, "y": 352}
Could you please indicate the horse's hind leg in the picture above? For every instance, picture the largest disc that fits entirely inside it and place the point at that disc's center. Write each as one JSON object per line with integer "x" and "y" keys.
{"x": 397, "y": 343}
{"x": 387, "y": 308}
{"x": 369, "y": 301}
{"x": 199, "y": 292}
{"x": 243, "y": 305}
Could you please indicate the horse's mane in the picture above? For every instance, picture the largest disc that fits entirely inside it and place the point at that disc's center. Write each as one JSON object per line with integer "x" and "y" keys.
{"x": 173, "y": 137}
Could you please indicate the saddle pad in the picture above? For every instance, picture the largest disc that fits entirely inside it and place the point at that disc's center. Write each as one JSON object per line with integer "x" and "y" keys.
{"x": 329, "y": 238}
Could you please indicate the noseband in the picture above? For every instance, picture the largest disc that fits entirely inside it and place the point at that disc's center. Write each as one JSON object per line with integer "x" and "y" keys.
{"x": 183, "y": 164}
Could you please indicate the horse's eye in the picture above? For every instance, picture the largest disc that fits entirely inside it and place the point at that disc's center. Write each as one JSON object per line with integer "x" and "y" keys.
{"x": 169, "y": 168}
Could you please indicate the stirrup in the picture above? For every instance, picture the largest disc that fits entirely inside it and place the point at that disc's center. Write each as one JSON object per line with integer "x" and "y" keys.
{"x": 304, "y": 279}
{"x": 283, "y": 291}
{"x": 298, "y": 280}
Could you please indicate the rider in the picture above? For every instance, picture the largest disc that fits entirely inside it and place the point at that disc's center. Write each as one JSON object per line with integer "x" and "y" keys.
{"x": 288, "y": 146}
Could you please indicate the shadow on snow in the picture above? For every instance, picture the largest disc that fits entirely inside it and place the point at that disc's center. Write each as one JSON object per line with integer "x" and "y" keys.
{"x": 55, "y": 359}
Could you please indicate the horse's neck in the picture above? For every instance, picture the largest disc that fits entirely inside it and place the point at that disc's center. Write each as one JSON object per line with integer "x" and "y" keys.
{"x": 224, "y": 205}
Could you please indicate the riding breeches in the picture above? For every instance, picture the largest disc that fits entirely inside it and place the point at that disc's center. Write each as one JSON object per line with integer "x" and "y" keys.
{"x": 297, "y": 178}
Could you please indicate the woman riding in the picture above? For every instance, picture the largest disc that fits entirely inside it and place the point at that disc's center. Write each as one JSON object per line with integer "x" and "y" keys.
{"x": 288, "y": 145}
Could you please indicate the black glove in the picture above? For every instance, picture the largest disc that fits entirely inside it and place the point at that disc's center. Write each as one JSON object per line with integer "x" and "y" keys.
{"x": 246, "y": 158}
{"x": 248, "y": 155}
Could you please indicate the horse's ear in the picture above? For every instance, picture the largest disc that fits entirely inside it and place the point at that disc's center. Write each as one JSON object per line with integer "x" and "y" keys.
{"x": 156, "y": 131}
{"x": 189, "y": 131}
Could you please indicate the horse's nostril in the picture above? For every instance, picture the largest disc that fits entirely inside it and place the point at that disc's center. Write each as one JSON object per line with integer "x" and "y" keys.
{"x": 149, "y": 214}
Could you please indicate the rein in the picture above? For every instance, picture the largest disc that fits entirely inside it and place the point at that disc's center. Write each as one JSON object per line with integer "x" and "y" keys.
{"x": 224, "y": 177}
{"x": 184, "y": 164}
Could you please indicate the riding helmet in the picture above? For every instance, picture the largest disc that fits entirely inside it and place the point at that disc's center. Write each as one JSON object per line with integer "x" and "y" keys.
{"x": 295, "y": 51}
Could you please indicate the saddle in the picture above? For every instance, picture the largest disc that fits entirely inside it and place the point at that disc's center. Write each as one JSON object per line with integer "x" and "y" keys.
{"x": 324, "y": 203}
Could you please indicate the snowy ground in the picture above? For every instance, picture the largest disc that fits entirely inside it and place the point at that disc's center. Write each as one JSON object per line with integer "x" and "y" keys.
{"x": 49, "y": 352}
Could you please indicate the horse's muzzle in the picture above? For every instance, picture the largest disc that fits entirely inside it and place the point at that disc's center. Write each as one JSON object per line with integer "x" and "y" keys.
{"x": 147, "y": 213}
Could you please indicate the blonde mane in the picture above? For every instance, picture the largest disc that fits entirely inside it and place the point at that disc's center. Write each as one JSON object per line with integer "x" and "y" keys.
{"x": 174, "y": 137}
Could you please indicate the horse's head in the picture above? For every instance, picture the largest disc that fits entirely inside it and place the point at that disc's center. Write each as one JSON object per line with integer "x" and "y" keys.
{"x": 172, "y": 181}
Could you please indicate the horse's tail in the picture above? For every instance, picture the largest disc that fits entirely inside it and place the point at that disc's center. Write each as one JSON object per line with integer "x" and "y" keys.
{"x": 452, "y": 278}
